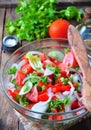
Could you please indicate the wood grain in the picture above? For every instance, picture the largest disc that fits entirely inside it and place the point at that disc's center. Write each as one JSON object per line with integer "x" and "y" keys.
{"x": 13, "y": 3}
{"x": 77, "y": 44}
{"x": 79, "y": 50}
{"x": 8, "y": 119}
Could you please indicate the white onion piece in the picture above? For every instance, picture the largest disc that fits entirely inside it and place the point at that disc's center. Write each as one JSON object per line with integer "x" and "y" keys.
{"x": 39, "y": 107}
{"x": 71, "y": 89}
{"x": 75, "y": 77}
{"x": 14, "y": 65}
{"x": 26, "y": 88}
{"x": 50, "y": 93}
{"x": 77, "y": 96}
{"x": 35, "y": 52}
{"x": 66, "y": 93}
{"x": 72, "y": 99}
{"x": 11, "y": 85}
{"x": 67, "y": 108}
{"x": 47, "y": 62}
{"x": 20, "y": 64}
{"x": 59, "y": 95}
{"x": 47, "y": 72}
{"x": 34, "y": 67}
{"x": 56, "y": 55}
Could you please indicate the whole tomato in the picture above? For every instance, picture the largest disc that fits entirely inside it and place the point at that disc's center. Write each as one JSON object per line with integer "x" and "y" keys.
{"x": 59, "y": 28}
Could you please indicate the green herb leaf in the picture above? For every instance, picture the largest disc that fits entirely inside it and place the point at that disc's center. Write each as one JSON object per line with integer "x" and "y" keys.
{"x": 33, "y": 20}
{"x": 23, "y": 101}
{"x": 12, "y": 70}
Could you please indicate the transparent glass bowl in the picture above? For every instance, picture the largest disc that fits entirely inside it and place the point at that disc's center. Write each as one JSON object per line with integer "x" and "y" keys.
{"x": 44, "y": 45}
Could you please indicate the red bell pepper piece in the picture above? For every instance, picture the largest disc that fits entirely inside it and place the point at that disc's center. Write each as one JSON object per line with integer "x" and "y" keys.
{"x": 64, "y": 88}
{"x": 43, "y": 97}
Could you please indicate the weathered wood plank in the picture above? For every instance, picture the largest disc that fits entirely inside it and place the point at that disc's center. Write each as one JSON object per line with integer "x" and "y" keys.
{"x": 8, "y": 3}
{"x": 2, "y": 12}
{"x": 8, "y": 119}
{"x": 13, "y": 3}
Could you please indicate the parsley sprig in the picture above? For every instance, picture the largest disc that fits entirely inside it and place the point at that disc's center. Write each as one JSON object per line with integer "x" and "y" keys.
{"x": 34, "y": 19}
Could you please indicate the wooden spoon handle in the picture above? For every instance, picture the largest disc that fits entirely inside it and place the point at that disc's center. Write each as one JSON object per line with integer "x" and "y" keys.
{"x": 77, "y": 46}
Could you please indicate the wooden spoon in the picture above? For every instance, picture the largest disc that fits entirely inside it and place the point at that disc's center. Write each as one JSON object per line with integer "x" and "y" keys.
{"x": 77, "y": 46}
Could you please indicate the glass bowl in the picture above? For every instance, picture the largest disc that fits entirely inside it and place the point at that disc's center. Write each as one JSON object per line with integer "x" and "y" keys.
{"x": 44, "y": 45}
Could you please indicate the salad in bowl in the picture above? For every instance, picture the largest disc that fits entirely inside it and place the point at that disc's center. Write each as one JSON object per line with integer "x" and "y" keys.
{"x": 43, "y": 82}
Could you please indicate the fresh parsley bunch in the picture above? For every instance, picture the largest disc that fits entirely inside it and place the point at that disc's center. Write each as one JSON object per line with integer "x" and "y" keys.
{"x": 35, "y": 16}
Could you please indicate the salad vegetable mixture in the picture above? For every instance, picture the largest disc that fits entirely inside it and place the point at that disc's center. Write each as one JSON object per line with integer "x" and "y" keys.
{"x": 47, "y": 83}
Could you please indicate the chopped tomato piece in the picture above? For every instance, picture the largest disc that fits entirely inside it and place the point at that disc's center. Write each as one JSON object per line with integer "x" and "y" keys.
{"x": 58, "y": 117}
{"x": 50, "y": 117}
{"x": 75, "y": 85}
{"x": 25, "y": 59}
{"x": 43, "y": 97}
{"x": 20, "y": 77}
{"x": 40, "y": 83}
{"x": 70, "y": 60}
{"x": 33, "y": 95}
{"x": 75, "y": 104}
{"x": 27, "y": 69}
{"x": 54, "y": 98}
{"x": 42, "y": 57}
{"x": 49, "y": 85}
{"x": 13, "y": 93}
{"x": 63, "y": 67}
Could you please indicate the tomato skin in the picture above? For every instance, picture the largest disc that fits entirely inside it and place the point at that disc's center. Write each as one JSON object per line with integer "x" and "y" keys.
{"x": 63, "y": 69}
{"x": 33, "y": 95}
{"x": 13, "y": 93}
{"x": 75, "y": 105}
{"x": 59, "y": 28}
{"x": 27, "y": 69}
{"x": 20, "y": 77}
{"x": 70, "y": 60}
{"x": 42, "y": 57}
{"x": 54, "y": 98}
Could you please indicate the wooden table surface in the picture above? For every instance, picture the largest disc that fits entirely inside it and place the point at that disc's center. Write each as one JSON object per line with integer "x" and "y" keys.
{"x": 9, "y": 119}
